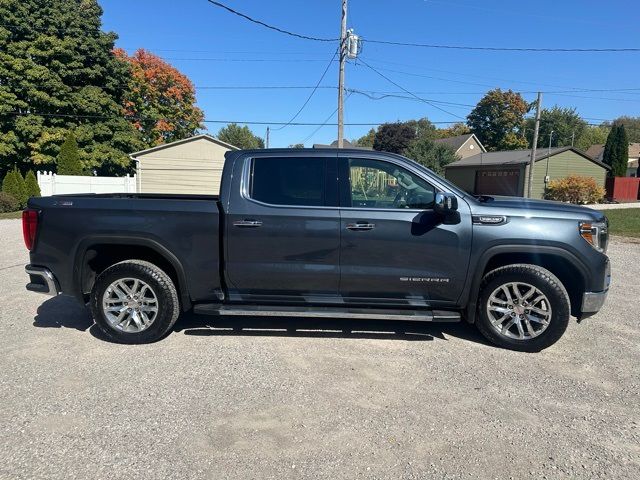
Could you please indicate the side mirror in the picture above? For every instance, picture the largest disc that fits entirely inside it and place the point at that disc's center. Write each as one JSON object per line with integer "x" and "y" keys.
{"x": 446, "y": 203}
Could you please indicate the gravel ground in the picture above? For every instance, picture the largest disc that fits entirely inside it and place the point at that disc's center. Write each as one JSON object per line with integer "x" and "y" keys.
{"x": 280, "y": 399}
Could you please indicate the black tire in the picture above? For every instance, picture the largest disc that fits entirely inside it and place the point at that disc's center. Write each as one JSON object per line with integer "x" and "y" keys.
{"x": 165, "y": 291}
{"x": 547, "y": 283}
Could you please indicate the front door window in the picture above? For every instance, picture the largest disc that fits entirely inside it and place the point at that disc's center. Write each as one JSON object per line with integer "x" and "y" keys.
{"x": 379, "y": 184}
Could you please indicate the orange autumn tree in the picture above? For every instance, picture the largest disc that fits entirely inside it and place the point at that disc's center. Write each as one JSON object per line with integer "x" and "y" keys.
{"x": 160, "y": 99}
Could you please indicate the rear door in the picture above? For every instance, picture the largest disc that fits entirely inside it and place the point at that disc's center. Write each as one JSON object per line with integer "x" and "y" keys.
{"x": 283, "y": 229}
{"x": 395, "y": 249}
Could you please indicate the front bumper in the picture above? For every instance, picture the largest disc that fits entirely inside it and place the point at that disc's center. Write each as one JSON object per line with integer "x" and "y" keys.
{"x": 41, "y": 280}
{"x": 593, "y": 301}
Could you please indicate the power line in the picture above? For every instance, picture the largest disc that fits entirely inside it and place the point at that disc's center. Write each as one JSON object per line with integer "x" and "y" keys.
{"x": 242, "y": 122}
{"x": 312, "y": 92}
{"x": 410, "y": 93}
{"x": 242, "y": 60}
{"x": 326, "y": 121}
{"x": 382, "y": 96}
{"x": 503, "y": 49}
{"x": 266, "y": 25}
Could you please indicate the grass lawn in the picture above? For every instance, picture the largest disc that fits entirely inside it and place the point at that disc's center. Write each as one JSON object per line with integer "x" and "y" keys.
{"x": 625, "y": 221}
{"x": 17, "y": 214}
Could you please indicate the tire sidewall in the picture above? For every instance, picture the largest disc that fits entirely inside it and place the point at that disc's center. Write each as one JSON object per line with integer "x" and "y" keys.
{"x": 152, "y": 276}
{"x": 549, "y": 286}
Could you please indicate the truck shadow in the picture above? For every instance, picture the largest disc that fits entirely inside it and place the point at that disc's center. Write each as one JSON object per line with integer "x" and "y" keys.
{"x": 65, "y": 312}
{"x": 201, "y": 325}
{"x": 62, "y": 312}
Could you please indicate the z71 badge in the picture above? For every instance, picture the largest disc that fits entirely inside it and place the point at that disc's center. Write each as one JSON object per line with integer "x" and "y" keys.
{"x": 425, "y": 279}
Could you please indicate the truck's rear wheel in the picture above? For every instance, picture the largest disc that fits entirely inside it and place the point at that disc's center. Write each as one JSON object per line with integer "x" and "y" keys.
{"x": 134, "y": 302}
{"x": 523, "y": 307}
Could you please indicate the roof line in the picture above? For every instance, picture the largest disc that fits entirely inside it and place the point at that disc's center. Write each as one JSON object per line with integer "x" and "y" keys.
{"x": 180, "y": 142}
{"x": 544, "y": 153}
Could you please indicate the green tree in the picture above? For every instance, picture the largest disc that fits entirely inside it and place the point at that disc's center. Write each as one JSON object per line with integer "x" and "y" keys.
{"x": 631, "y": 125}
{"x": 565, "y": 123}
{"x": 453, "y": 131}
{"x": 366, "y": 140}
{"x": 297, "y": 145}
{"x": 31, "y": 185}
{"x": 616, "y": 151}
{"x": 240, "y": 137}
{"x": 430, "y": 154}
{"x": 13, "y": 184}
{"x": 10, "y": 184}
{"x": 394, "y": 137}
{"x": 498, "y": 120}
{"x": 423, "y": 128}
{"x": 592, "y": 135}
{"x": 621, "y": 156}
{"x": 22, "y": 188}
{"x": 69, "y": 157}
{"x": 57, "y": 73}
{"x": 607, "y": 156}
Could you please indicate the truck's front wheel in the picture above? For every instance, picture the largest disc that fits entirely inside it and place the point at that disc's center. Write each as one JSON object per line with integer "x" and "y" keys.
{"x": 134, "y": 302}
{"x": 523, "y": 307}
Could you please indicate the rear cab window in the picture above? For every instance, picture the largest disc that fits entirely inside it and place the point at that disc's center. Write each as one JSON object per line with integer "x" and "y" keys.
{"x": 292, "y": 181}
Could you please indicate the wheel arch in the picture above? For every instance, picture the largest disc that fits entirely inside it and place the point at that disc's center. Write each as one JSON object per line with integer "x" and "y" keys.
{"x": 563, "y": 264}
{"x": 96, "y": 253}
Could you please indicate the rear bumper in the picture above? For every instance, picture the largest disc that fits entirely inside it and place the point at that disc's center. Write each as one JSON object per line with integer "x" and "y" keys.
{"x": 41, "y": 280}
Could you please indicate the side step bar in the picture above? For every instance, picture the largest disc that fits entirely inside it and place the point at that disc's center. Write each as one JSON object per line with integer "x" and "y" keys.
{"x": 328, "y": 312}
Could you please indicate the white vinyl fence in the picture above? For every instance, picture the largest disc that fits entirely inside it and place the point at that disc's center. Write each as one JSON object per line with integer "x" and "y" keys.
{"x": 52, "y": 184}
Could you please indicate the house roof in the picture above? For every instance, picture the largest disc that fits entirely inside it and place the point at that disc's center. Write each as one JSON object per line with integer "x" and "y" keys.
{"x": 634, "y": 150}
{"x": 516, "y": 157}
{"x": 458, "y": 141}
{"x": 345, "y": 143}
{"x": 205, "y": 136}
{"x": 595, "y": 151}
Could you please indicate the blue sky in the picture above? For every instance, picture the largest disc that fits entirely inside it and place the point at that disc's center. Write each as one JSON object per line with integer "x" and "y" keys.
{"x": 215, "y": 48}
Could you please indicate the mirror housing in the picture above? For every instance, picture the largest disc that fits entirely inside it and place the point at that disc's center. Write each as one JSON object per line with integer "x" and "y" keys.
{"x": 446, "y": 203}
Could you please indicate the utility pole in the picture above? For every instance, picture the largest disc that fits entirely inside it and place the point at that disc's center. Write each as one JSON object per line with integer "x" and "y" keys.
{"x": 267, "y": 139}
{"x": 546, "y": 172}
{"x": 535, "y": 144}
{"x": 343, "y": 57}
{"x": 573, "y": 136}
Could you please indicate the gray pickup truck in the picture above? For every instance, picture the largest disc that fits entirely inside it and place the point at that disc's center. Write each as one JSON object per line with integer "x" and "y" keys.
{"x": 323, "y": 233}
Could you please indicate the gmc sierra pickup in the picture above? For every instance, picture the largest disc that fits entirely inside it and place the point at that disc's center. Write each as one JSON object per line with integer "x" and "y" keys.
{"x": 323, "y": 233}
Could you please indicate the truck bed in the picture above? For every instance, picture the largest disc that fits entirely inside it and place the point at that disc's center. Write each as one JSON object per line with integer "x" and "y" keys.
{"x": 181, "y": 229}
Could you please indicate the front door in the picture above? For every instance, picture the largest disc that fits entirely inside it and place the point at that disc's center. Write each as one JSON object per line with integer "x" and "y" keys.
{"x": 282, "y": 230}
{"x": 395, "y": 249}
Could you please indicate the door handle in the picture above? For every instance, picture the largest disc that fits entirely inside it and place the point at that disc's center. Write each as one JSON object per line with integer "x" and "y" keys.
{"x": 246, "y": 223}
{"x": 361, "y": 226}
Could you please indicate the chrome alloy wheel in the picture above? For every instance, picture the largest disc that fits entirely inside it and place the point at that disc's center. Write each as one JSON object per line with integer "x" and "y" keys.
{"x": 130, "y": 305}
{"x": 519, "y": 310}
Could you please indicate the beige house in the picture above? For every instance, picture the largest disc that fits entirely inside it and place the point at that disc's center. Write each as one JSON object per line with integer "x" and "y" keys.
{"x": 464, "y": 145}
{"x": 597, "y": 152}
{"x": 192, "y": 165}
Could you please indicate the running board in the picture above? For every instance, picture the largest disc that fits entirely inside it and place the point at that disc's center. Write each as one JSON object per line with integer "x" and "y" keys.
{"x": 328, "y": 312}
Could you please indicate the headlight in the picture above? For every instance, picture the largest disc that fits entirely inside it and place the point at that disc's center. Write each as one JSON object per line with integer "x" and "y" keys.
{"x": 596, "y": 233}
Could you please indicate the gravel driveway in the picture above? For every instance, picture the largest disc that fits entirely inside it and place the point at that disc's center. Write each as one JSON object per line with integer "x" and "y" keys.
{"x": 243, "y": 399}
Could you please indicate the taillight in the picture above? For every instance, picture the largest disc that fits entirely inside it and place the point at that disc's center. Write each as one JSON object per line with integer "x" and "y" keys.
{"x": 29, "y": 227}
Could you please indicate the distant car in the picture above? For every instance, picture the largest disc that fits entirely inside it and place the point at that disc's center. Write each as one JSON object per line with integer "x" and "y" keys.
{"x": 323, "y": 233}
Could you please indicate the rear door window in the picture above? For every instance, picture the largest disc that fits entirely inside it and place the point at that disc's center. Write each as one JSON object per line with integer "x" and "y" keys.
{"x": 291, "y": 181}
